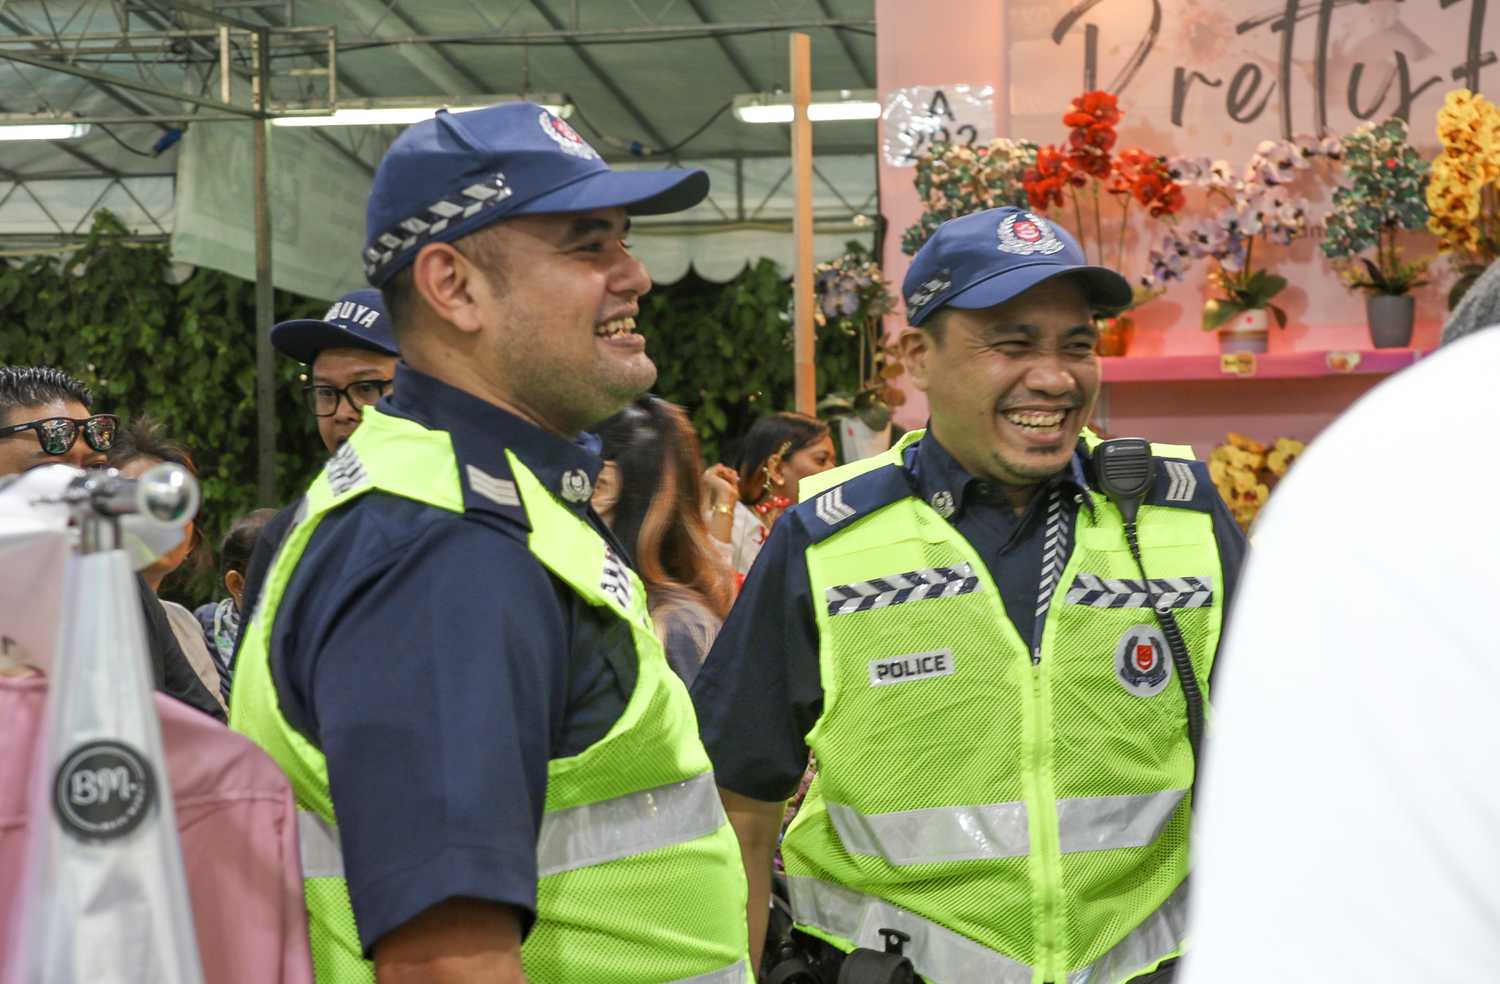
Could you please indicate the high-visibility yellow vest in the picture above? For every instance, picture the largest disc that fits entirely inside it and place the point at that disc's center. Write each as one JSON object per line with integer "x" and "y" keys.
{"x": 1022, "y": 815}
{"x": 640, "y": 874}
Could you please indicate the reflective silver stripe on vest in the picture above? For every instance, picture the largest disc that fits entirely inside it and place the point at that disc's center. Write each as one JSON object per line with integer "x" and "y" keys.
{"x": 575, "y": 837}
{"x": 941, "y": 954}
{"x": 945, "y": 833}
{"x": 318, "y": 843}
{"x": 937, "y": 952}
{"x": 1159, "y": 936}
{"x": 1107, "y": 823}
{"x": 733, "y": 974}
{"x": 633, "y": 824}
{"x": 999, "y": 830}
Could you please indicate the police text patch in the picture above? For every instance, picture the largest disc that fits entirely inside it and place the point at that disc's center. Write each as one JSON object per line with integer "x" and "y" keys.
{"x": 912, "y": 666}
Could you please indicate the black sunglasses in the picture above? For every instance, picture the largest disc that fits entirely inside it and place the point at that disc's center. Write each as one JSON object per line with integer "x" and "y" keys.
{"x": 323, "y": 400}
{"x": 56, "y": 435}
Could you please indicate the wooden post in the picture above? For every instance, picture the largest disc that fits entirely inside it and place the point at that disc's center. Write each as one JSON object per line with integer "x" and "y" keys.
{"x": 265, "y": 299}
{"x": 802, "y": 225}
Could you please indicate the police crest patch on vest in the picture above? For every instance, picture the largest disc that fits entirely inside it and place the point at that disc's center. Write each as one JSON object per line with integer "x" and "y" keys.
{"x": 1143, "y": 663}
{"x": 912, "y": 666}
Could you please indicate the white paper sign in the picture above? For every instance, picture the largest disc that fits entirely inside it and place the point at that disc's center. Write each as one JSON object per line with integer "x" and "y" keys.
{"x": 925, "y": 114}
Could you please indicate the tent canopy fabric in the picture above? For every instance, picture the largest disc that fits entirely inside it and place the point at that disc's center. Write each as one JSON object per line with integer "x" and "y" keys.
{"x": 651, "y": 82}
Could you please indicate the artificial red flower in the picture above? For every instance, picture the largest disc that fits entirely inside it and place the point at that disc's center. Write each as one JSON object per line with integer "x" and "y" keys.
{"x": 1044, "y": 183}
{"x": 1145, "y": 177}
{"x": 1092, "y": 117}
{"x": 1093, "y": 109}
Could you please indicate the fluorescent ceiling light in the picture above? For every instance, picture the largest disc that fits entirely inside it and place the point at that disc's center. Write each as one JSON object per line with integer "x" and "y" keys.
{"x": 837, "y": 105}
{"x": 401, "y": 112}
{"x": 44, "y": 131}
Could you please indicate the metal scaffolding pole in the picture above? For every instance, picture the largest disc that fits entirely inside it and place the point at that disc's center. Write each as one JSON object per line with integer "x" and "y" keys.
{"x": 265, "y": 298}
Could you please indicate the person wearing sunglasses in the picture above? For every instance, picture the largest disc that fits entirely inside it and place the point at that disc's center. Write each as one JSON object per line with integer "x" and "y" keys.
{"x": 45, "y": 420}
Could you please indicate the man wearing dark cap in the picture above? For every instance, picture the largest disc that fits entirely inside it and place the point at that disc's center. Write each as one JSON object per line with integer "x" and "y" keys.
{"x": 350, "y": 356}
{"x": 351, "y": 359}
{"x": 959, "y": 633}
{"x": 500, "y": 778}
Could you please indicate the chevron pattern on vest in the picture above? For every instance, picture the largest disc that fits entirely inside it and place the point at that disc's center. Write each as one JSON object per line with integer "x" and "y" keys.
{"x": 897, "y": 589}
{"x": 1054, "y": 559}
{"x": 1168, "y": 592}
{"x": 615, "y": 581}
{"x": 345, "y": 470}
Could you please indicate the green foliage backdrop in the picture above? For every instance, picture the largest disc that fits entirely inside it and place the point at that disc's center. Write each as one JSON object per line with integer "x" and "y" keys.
{"x": 724, "y": 351}
{"x": 183, "y": 354}
{"x": 186, "y": 355}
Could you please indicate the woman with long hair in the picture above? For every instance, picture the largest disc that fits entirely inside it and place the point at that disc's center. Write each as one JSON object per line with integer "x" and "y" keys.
{"x": 650, "y": 495}
{"x": 780, "y": 450}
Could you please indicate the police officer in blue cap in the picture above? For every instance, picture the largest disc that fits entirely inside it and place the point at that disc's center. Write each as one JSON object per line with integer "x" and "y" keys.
{"x": 961, "y": 633}
{"x": 499, "y": 776}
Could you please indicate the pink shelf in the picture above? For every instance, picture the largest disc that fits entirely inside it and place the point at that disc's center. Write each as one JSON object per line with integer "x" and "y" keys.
{"x": 1278, "y": 365}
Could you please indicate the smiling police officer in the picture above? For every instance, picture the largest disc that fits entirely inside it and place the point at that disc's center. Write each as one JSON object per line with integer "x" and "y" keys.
{"x": 958, "y": 631}
{"x": 452, "y": 661}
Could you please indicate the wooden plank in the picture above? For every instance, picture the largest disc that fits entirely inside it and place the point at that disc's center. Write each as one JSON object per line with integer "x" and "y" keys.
{"x": 802, "y": 224}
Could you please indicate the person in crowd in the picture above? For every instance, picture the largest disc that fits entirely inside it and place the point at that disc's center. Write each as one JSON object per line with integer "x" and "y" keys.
{"x": 45, "y": 419}
{"x": 779, "y": 451}
{"x": 350, "y": 356}
{"x": 452, "y": 659}
{"x": 649, "y": 493}
{"x": 221, "y": 620}
{"x": 1350, "y": 783}
{"x": 1004, "y": 759}
{"x": 138, "y": 447}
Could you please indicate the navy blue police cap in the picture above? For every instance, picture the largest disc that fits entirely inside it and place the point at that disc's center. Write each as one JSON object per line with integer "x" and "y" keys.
{"x": 986, "y": 258}
{"x": 356, "y": 320}
{"x": 447, "y": 176}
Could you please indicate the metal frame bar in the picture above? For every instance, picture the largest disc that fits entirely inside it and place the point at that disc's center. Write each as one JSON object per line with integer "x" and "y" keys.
{"x": 409, "y": 22}
{"x": 579, "y": 36}
{"x": 604, "y": 79}
{"x": 865, "y": 75}
{"x": 132, "y": 84}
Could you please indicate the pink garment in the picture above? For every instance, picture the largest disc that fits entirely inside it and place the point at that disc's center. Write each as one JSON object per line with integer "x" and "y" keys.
{"x": 237, "y": 822}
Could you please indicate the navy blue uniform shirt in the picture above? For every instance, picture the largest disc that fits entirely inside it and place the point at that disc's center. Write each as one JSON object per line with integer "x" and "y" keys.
{"x": 439, "y": 666}
{"x": 759, "y": 692}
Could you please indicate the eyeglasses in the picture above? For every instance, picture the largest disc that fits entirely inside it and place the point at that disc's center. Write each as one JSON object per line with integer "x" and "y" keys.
{"x": 57, "y": 435}
{"x": 323, "y": 400}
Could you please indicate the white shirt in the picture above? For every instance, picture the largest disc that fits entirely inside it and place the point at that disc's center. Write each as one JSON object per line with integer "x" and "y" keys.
{"x": 1350, "y": 820}
{"x": 189, "y": 635}
{"x": 748, "y": 537}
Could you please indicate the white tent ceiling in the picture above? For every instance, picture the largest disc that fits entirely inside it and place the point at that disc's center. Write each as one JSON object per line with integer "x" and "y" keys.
{"x": 650, "y": 79}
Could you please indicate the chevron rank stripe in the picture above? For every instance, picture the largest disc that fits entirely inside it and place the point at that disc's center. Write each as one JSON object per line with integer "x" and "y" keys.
{"x": 1169, "y": 592}
{"x": 417, "y": 229}
{"x": 831, "y": 508}
{"x": 1183, "y": 483}
{"x": 898, "y": 589}
{"x": 498, "y": 490}
{"x": 345, "y": 471}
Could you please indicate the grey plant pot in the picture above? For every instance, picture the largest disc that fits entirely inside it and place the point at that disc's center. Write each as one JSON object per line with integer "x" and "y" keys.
{"x": 1391, "y": 317}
